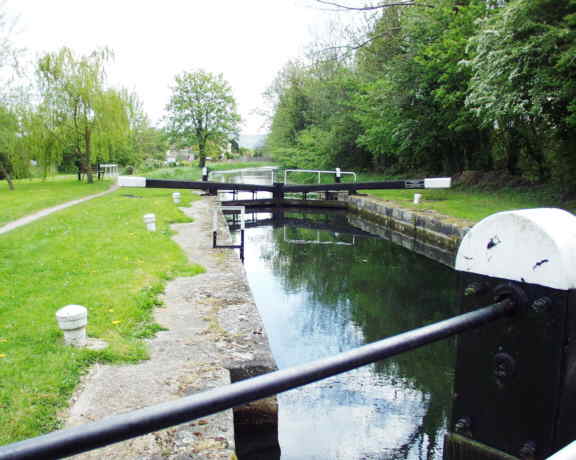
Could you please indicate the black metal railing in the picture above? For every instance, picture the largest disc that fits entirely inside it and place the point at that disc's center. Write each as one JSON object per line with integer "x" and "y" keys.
{"x": 117, "y": 428}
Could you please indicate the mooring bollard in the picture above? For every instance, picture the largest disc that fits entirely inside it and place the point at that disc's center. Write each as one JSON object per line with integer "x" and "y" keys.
{"x": 204, "y": 174}
{"x": 176, "y": 197}
{"x": 72, "y": 320}
{"x": 417, "y": 197}
{"x": 515, "y": 380}
{"x": 150, "y": 221}
{"x": 338, "y": 176}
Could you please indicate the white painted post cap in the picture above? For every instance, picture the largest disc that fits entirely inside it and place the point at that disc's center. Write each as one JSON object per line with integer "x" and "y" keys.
{"x": 72, "y": 317}
{"x": 149, "y": 218}
{"x": 131, "y": 181}
{"x": 417, "y": 197}
{"x": 438, "y": 182}
{"x": 536, "y": 246}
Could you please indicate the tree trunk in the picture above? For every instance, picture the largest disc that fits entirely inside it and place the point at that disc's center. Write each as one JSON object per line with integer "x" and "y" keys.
{"x": 87, "y": 155}
{"x": 4, "y": 171}
{"x": 201, "y": 151}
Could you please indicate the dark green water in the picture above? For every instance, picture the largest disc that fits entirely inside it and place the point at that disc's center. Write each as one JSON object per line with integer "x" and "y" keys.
{"x": 321, "y": 292}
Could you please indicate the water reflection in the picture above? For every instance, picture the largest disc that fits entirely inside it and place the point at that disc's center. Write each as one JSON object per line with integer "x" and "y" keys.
{"x": 320, "y": 299}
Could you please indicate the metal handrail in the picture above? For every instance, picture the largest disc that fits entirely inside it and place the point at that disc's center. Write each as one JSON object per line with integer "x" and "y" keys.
{"x": 337, "y": 173}
{"x": 117, "y": 428}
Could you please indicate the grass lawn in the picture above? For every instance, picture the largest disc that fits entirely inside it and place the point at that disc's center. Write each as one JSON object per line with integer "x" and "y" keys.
{"x": 97, "y": 254}
{"x": 469, "y": 203}
{"x": 473, "y": 204}
{"x": 32, "y": 195}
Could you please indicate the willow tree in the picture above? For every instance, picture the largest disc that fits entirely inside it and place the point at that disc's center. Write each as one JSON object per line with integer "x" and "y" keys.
{"x": 82, "y": 113}
{"x": 8, "y": 140}
{"x": 201, "y": 109}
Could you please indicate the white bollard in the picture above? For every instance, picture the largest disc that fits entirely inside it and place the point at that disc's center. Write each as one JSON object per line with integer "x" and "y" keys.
{"x": 417, "y": 197}
{"x": 73, "y": 319}
{"x": 176, "y": 197}
{"x": 150, "y": 221}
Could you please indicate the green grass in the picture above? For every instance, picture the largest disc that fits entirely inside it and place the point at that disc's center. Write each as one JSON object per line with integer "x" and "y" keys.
{"x": 471, "y": 203}
{"x": 36, "y": 194}
{"x": 97, "y": 254}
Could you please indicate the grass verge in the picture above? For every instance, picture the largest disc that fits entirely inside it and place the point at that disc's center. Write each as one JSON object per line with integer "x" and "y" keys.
{"x": 471, "y": 203}
{"x": 31, "y": 195}
{"x": 97, "y": 254}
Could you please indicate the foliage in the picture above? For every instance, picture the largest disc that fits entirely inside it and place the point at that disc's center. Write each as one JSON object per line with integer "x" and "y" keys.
{"x": 202, "y": 109}
{"x": 523, "y": 84}
{"x": 77, "y": 110}
{"x": 461, "y": 85}
{"x": 312, "y": 124}
{"x": 118, "y": 274}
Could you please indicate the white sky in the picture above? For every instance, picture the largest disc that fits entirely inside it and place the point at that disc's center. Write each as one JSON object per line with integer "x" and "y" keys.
{"x": 248, "y": 41}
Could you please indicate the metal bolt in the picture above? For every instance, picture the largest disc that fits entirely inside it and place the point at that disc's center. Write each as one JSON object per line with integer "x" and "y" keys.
{"x": 473, "y": 289}
{"x": 504, "y": 367}
{"x": 463, "y": 425}
{"x": 528, "y": 451}
{"x": 541, "y": 305}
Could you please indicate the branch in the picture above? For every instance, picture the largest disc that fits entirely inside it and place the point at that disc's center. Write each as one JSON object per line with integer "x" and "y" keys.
{"x": 372, "y": 8}
{"x": 362, "y": 44}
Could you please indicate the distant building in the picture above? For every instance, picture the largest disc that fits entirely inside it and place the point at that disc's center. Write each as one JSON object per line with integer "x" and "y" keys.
{"x": 175, "y": 156}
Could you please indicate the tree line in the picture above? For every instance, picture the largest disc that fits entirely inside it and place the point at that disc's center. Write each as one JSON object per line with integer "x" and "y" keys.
{"x": 440, "y": 87}
{"x": 63, "y": 116}
{"x": 66, "y": 116}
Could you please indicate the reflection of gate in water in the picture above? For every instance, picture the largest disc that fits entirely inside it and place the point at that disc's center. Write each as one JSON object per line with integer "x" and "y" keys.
{"x": 318, "y": 239}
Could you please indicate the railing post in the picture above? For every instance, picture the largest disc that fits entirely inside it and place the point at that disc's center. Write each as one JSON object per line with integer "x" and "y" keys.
{"x": 515, "y": 381}
{"x": 338, "y": 176}
{"x": 278, "y": 193}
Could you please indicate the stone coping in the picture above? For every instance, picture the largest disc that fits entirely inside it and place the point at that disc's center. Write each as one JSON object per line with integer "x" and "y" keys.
{"x": 214, "y": 335}
{"x": 435, "y": 233}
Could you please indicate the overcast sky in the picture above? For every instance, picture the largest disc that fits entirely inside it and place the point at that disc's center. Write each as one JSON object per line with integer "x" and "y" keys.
{"x": 153, "y": 40}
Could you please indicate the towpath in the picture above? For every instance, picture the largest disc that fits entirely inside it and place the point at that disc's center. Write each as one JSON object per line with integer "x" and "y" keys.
{"x": 212, "y": 325}
{"x": 45, "y": 212}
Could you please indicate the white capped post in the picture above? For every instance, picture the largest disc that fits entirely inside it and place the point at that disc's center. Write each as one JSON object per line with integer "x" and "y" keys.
{"x": 72, "y": 320}
{"x": 176, "y": 197}
{"x": 150, "y": 221}
{"x": 525, "y": 259}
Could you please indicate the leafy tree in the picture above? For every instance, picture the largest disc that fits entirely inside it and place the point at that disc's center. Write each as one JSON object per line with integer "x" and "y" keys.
{"x": 8, "y": 139}
{"x": 12, "y": 160}
{"x": 523, "y": 84}
{"x": 202, "y": 109}
{"x": 77, "y": 108}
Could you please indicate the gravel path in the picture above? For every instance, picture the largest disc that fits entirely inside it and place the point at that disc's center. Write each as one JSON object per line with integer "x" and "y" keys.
{"x": 45, "y": 212}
